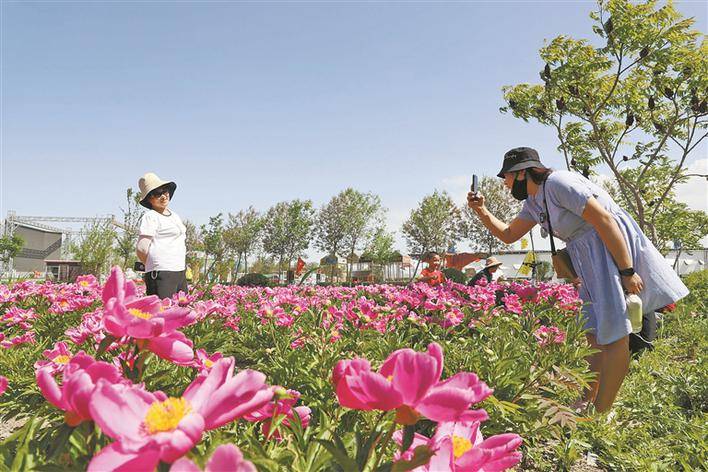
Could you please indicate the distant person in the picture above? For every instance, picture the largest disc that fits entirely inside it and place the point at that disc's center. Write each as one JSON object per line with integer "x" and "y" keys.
{"x": 162, "y": 239}
{"x": 609, "y": 251}
{"x": 432, "y": 275}
{"x": 487, "y": 272}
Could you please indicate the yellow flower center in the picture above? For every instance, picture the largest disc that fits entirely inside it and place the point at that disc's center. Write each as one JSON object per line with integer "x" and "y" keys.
{"x": 140, "y": 313}
{"x": 165, "y": 416}
{"x": 62, "y": 359}
{"x": 183, "y": 300}
{"x": 460, "y": 446}
{"x": 64, "y": 304}
{"x": 83, "y": 283}
{"x": 208, "y": 363}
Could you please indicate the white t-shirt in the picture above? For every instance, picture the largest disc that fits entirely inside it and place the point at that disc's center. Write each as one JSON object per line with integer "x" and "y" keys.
{"x": 168, "y": 249}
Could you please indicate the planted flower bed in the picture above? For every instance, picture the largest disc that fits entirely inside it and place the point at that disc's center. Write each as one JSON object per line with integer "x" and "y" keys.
{"x": 292, "y": 378}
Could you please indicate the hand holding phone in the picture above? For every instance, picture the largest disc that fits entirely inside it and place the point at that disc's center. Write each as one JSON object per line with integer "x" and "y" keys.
{"x": 474, "y": 199}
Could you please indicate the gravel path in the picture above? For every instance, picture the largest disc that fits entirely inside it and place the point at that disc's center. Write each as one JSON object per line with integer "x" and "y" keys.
{"x": 7, "y": 427}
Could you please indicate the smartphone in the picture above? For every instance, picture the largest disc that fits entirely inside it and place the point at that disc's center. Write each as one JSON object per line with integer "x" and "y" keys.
{"x": 475, "y": 184}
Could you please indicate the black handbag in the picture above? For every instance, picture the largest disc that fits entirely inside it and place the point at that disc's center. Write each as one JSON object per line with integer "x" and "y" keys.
{"x": 562, "y": 263}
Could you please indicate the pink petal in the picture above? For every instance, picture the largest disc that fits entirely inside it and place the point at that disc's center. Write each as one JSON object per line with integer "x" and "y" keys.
{"x": 201, "y": 389}
{"x": 175, "y": 444}
{"x": 238, "y": 396}
{"x": 119, "y": 410}
{"x": 174, "y": 347}
{"x": 373, "y": 391}
{"x": 468, "y": 381}
{"x": 176, "y": 318}
{"x": 113, "y": 458}
{"x": 444, "y": 457}
{"x": 185, "y": 465}
{"x": 445, "y": 404}
{"x": 115, "y": 285}
{"x": 435, "y": 351}
{"x": 49, "y": 388}
{"x": 228, "y": 457}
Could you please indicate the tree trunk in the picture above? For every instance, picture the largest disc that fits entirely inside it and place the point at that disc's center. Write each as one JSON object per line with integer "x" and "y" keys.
{"x": 420, "y": 259}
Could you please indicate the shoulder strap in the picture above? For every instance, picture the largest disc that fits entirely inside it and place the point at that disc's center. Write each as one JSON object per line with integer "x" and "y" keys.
{"x": 548, "y": 219}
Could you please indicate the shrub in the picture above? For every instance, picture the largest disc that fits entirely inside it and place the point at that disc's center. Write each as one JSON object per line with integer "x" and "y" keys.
{"x": 697, "y": 283}
{"x": 254, "y": 280}
{"x": 455, "y": 275}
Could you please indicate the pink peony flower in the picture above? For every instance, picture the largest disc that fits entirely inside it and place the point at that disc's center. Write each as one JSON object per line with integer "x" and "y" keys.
{"x": 3, "y": 384}
{"x": 205, "y": 362}
{"x": 58, "y": 357}
{"x": 149, "y": 427}
{"x": 459, "y": 446}
{"x": 546, "y": 335}
{"x": 87, "y": 282}
{"x": 80, "y": 377}
{"x": 125, "y": 314}
{"x": 409, "y": 382}
{"x": 226, "y": 457}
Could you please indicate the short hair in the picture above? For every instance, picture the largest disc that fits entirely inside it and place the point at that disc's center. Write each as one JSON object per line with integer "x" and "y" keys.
{"x": 429, "y": 255}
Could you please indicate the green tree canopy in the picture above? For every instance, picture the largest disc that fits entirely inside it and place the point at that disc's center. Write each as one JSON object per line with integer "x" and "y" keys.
{"x": 633, "y": 97}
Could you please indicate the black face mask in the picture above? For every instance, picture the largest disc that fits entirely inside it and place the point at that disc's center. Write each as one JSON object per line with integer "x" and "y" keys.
{"x": 519, "y": 190}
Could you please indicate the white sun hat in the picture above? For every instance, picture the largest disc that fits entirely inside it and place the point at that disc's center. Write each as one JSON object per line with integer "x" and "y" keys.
{"x": 150, "y": 182}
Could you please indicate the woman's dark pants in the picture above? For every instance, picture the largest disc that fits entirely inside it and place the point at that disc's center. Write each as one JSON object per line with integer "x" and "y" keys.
{"x": 165, "y": 283}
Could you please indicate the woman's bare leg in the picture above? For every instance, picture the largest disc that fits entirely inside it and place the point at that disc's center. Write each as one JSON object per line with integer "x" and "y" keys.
{"x": 596, "y": 362}
{"x": 615, "y": 364}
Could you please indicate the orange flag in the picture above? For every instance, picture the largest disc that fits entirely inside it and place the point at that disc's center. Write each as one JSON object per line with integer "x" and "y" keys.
{"x": 300, "y": 265}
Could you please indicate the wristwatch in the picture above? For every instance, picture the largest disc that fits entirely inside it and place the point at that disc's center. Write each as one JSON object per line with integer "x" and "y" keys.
{"x": 628, "y": 272}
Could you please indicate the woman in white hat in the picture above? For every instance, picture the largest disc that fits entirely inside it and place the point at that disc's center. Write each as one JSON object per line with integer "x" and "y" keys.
{"x": 161, "y": 241}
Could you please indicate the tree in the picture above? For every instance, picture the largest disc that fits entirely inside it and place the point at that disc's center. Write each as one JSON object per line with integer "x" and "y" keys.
{"x": 637, "y": 102}
{"x": 10, "y": 246}
{"x": 194, "y": 245}
{"x": 500, "y": 202}
{"x": 126, "y": 240}
{"x": 380, "y": 249}
{"x": 434, "y": 226}
{"x": 362, "y": 213}
{"x": 95, "y": 248}
{"x": 242, "y": 235}
{"x": 287, "y": 230}
{"x": 213, "y": 242}
{"x": 330, "y": 226}
{"x": 676, "y": 225}
{"x": 264, "y": 265}
{"x": 346, "y": 222}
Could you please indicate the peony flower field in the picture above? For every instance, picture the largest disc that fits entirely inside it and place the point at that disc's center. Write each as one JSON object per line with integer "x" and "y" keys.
{"x": 372, "y": 378}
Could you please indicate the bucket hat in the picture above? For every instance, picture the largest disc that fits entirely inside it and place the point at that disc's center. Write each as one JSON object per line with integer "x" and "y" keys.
{"x": 492, "y": 262}
{"x": 518, "y": 159}
{"x": 150, "y": 182}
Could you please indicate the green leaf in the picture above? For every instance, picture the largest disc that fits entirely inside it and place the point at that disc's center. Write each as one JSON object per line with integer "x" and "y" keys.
{"x": 339, "y": 455}
{"x": 408, "y": 435}
{"x": 105, "y": 342}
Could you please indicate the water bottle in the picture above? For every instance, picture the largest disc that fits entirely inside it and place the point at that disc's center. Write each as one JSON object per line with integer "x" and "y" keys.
{"x": 634, "y": 312}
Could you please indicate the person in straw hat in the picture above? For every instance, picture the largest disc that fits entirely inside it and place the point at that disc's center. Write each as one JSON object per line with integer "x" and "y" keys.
{"x": 609, "y": 252}
{"x": 161, "y": 241}
{"x": 490, "y": 267}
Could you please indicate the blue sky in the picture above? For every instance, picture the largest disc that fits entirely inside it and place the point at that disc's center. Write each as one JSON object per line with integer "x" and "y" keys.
{"x": 254, "y": 103}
